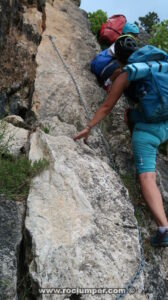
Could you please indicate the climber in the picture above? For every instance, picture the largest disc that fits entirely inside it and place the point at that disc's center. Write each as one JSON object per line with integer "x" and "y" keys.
{"x": 146, "y": 138}
{"x": 109, "y": 75}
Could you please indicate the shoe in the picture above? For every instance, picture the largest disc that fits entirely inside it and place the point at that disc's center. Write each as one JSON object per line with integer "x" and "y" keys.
{"x": 160, "y": 239}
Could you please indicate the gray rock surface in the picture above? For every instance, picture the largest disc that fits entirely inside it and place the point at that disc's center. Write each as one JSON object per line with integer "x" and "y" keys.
{"x": 32, "y": 24}
{"x": 14, "y": 138}
{"x": 143, "y": 37}
{"x": 11, "y": 219}
{"x": 78, "y": 212}
{"x": 77, "y": 2}
{"x": 60, "y": 96}
{"x": 5, "y": 12}
{"x": 16, "y": 53}
{"x": 80, "y": 228}
{"x": 11, "y": 222}
{"x": 80, "y": 220}
{"x": 15, "y": 120}
{"x": 51, "y": 108}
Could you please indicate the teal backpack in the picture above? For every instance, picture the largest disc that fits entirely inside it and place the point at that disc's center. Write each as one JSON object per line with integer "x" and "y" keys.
{"x": 148, "y": 66}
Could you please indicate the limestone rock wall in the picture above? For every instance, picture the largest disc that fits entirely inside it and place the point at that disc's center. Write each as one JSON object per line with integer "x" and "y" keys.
{"x": 79, "y": 217}
{"x": 59, "y": 109}
{"x": 20, "y": 33}
{"x": 12, "y": 216}
{"x": 80, "y": 228}
{"x": 11, "y": 221}
{"x": 6, "y": 19}
{"x": 22, "y": 24}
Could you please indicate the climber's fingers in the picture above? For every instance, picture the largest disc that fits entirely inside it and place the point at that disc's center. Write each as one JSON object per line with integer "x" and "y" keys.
{"x": 82, "y": 134}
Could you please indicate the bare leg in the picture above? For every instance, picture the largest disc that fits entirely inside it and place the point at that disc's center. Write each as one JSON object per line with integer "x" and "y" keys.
{"x": 153, "y": 197}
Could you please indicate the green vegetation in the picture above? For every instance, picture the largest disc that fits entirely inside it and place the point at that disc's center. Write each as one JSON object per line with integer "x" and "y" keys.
{"x": 159, "y": 35}
{"x": 4, "y": 143}
{"x": 46, "y": 129}
{"x": 148, "y": 21}
{"x": 16, "y": 173}
{"x": 96, "y": 19}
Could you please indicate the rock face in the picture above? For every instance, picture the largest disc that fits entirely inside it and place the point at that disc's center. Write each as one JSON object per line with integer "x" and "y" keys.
{"x": 24, "y": 23}
{"x": 32, "y": 24}
{"x": 80, "y": 229}
{"x": 15, "y": 138}
{"x": 79, "y": 217}
{"x": 64, "y": 19}
{"x": 19, "y": 37}
{"x": 77, "y": 2}
{"x": 5, "y": 20}
{"x": 80, "y": 220}
{"x": 143, "y": 37}
{"x": 11, "y": 220}
{"x": 58, "y": 109}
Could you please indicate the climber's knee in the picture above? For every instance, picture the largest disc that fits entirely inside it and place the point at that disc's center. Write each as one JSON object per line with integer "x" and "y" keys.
{"x": 147, "y": 177}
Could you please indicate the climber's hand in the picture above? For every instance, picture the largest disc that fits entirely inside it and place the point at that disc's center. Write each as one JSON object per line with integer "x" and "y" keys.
{"x": 82, "y": 134}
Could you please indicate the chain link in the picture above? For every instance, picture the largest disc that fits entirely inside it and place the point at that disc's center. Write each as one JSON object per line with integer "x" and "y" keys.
{"x": 129, "y": 285}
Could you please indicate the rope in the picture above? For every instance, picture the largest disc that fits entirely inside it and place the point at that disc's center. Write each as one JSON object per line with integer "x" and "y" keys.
{"x": 129, "y": 285}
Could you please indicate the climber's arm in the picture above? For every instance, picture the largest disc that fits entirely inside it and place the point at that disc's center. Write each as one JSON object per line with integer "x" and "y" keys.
{"x": 119, "y": 85}
{"x": 115, "y": 74}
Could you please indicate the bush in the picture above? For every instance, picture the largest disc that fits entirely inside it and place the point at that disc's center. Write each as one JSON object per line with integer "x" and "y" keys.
{"x": 96, "y": 19}
{"x": 148, "y": 21}
{"x": 16, "y": 173}
{"x": 159, "y": 35}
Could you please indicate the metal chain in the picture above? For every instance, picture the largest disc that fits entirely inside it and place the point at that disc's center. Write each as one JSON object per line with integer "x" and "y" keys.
{"x": 105, "y": 143}
{"x": 131, "y": 282}
{"x": 72, "y": 77}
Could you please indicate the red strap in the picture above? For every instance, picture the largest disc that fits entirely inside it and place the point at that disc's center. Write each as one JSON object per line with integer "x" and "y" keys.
{"x": 113, "y": 30}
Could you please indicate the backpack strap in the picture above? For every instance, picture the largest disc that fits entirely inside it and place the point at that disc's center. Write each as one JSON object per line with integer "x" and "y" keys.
{"x": 155, "y": 66}
{"x": 141, "y": 70}
{"x": 110, "y": 28}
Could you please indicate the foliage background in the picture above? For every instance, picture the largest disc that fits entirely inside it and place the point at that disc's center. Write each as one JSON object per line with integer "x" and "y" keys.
{"x": 96, "y": 19}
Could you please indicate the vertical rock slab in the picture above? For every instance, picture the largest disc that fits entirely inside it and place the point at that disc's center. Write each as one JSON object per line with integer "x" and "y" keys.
{"x": 79, "y": 217}
{"x": 80, "y": 220}
{"x": 11, "y": 221}
{"x": 55, "y": 93}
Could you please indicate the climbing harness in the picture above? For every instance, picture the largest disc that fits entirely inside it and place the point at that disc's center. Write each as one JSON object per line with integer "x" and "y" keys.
{"x": 129, "y": 286}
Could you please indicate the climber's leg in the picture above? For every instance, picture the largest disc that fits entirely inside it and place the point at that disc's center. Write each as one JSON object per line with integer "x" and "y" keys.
{"x": 153, "y": 197}
{"x": 145, "y": 139}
